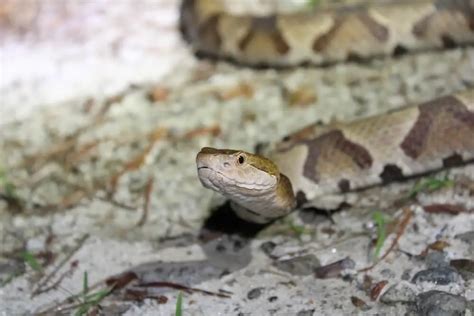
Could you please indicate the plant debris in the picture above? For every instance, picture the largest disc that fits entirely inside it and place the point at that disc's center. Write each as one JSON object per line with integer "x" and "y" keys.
{"x": 376, "y": 289}
{"x": 437, "y": 208}
{"x": 141, "y": 295}
{"x": 179, "y": 305}
{"x": 381, "y": 233}
{"x": 158, "y": 94}
{"x": 430, "y": 184}
{"x": 181, "y": 287}
{"x": 146, "y": 203}
{"x": 243, "y": 89}
{"x": 403, "y": 223}
{"x": 302, "y": 97}
{"x": 42, "y": 285}
{"x": 334, "y": 269}
{"x": 359, "y": 303}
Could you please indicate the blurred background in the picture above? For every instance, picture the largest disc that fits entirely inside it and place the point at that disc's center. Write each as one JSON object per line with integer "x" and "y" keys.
{"x": 55, "y": 51}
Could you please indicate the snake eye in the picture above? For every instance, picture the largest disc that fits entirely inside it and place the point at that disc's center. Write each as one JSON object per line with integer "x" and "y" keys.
{"x": 241, "y": 159}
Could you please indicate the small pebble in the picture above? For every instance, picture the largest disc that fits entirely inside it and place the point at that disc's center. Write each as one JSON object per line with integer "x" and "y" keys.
{"x": 10, "y": 268}
{"x": 406, "y": 275}
{"x": 387, "y": 273}
{"x": 441, "y": 276}
{"x": 436, "y": 259}
{"x": 398, "y": 293}
{"x": 268, "y": 247}
{"x": 307, "y": 312}
{"x": 466, "y": 237}
{"x": 465, "y": 267}
{"x": 254, "y": 293}
{"x": 303, "y": 265}
{"x": 440, "y": 303}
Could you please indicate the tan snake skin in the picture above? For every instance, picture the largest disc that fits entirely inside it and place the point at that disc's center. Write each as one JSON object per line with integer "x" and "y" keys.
{"x": 321, "y": 160}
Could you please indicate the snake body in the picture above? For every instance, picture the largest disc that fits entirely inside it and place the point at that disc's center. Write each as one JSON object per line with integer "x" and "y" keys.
{"x": 326, "y": 36}
{"x": 345, "y": 156}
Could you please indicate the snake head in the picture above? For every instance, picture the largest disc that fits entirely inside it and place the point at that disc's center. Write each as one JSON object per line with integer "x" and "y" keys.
{"x": 233, "y": 172}
{"x": 259, "y": 192}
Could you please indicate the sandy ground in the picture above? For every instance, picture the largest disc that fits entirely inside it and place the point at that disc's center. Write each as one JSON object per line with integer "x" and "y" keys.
{"x": 102, "y": 111}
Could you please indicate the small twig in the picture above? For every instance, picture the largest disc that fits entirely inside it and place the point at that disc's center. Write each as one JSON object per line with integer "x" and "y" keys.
{"x": 146, "y": 204}
{"x": 67, "y": 202}
{"x": 213, "y": 130}
{"x": 181, "y": 287}
{"x": 401, "y": 229}
{"x": 452, "y": 209}
{"x": 114, "y": 202}
{"x": 62, "y": 307}
{"x": 138, "y": 161}
{"x": 40, "y": 286}
{"x": 56, "y": 283}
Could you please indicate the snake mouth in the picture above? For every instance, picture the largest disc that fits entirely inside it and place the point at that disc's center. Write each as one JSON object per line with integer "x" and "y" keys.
{"x": 220, "y": 182}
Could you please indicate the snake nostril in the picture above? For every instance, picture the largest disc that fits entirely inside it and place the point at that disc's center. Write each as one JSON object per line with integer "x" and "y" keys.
{"x": 226, "y": 164}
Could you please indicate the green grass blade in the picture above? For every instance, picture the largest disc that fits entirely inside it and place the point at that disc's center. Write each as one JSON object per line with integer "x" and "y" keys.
{"x": 30, "y": 259}
{"x": 8, "y": 187}
{"x": 85, "y": 284}
{"x": 313, "y": 3}
{"x": 429, "y": 185}
{"x": 381, "y": 233}
{"x": 91, "y": 300}
{"x": 179, "y": 305}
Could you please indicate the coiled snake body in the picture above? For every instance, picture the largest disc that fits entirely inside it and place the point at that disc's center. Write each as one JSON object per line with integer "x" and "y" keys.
{"x": 321, "y": 160}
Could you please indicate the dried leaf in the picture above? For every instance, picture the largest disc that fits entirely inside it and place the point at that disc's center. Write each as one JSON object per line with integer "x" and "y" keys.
{"x": 367, "y": 283}
{"x": 334, "y": 269}
{"x": 359, "y": 303}
{"x": 146, "y": 204}
{"x": 214, "y": 131}
{"x": 158, "y": 93}
{"x": 302, "y": 97}
{"x": 141, "y": 295}
{"x": 140, "y": 159}
{"x": 436, "y": 208}
{"x": 463, "y": 265}
{"x": 241, "y": 90}
{"x": 122, "y": 280}
{"x": 439, "y": 245}
{"x": 376, "y": 289}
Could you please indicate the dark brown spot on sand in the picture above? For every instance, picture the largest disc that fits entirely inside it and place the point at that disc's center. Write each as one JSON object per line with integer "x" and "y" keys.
{"x": 300, "y": 198}
{"x": 354, "y": 57}
{"x": 344, "y": 185}
{"x": 448, "y": 41}
{"x": 391, "y": 173}
{"x": 453, "y": 161}
{"x": 399, "y": 50}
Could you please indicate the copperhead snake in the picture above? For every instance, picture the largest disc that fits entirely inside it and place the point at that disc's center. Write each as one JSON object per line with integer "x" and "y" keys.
{"x": 344, "y": 156}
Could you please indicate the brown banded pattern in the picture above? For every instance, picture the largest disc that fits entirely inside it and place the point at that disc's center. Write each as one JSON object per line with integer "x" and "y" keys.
{"x": 332, "y": 151}
{"x": 326, "y": 36}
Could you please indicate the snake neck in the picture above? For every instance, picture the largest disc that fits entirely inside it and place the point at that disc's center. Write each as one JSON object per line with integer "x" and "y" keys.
{"x": 267, "y": 207}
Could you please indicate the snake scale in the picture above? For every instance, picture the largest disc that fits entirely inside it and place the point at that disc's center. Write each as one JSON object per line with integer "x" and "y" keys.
{"x": 340, "y": 157}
